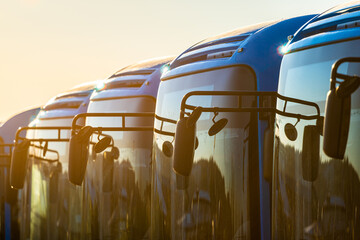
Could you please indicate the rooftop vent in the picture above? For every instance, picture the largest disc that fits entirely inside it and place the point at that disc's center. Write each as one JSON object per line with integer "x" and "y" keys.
{"x": 218, "y": 47}
{"x": 222, "y": 48}
{"x": 133, "y": 73}
{"x": 333, "y": 21}
{"x": 63, "y": 105}
{"x": 73, "y": 95}
{"x": 352, "y": 24}
{"x": 338, "y": 11}
{"x": 134, "y": 83}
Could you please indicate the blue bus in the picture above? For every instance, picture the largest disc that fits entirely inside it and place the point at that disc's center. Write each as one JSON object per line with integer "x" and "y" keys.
{"x": 111, "y": 156}
{"x": 9, "y": 227}
{"x": 50, "y": 207}
{"x": 316, "y": 182}
{"x": 219, "y": 190}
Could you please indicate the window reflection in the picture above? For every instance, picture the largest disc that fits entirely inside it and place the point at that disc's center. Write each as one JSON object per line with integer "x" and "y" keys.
{"x": 214, "y": 202}
{"x": 50, "y": 205}
{"x": 326, "y": 208}
{"x": 117, "y": 191}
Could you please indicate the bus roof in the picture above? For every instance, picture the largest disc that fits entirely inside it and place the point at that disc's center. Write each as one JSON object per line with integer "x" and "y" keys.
{"x": 256, "y": 46}
{"x": 69, "y": 103}
{"x": 152, "y": 63}
{"x": 9, "y": 128}
{"x": 139, "y": 79}
{"x": 336, "y": 24}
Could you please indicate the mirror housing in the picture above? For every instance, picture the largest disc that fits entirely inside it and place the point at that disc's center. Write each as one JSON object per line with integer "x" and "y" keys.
{"x": 107, "y": 171}
{"x": 336, "y": 124}
{"x": 18, "y": 164}
{"x": 268, "y": 154}
{"x": 182, "y": 182}
{"x": 115, "y": 152}
{"x": 184, "y": 148}
{"x": 338, "y": 107}
{"x": 194, "y": 117}
{"x": 11, "y": 194}
{"x": 217, "y": 126}
{"x": 54, "y": 182}
{"x": 290, "y": 132}
{"x": 167, "y": 149}
{"x": 104, "y": 143}
{"x": 78, "y": 155}
{"x": 310, "y": 153}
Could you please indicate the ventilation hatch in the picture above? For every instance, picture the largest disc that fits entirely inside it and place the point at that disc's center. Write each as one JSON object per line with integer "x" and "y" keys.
{"x": 133, "y": 73}
{"x": 133, "y": 83}
{"x": 333, "y": 21}
{"x": 63, "y": 105}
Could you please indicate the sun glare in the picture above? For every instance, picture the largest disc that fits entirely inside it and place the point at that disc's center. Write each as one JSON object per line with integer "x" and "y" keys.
{"x": 164, "y": 69}
{"x": 100, "y": 86}
{"x": 283, "y": 49}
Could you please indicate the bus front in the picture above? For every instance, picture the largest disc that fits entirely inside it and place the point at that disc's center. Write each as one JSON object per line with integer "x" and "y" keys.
{"x": 223, "y": 195}
{"x": 50, "y": 207}
{"x": 118, "y": 178}
{"x": 316, "y": 186}
{"x": 9, "y": 225}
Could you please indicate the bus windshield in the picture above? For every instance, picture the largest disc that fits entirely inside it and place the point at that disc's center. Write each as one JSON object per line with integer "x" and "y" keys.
{"x": 117, "y": 191}
{"x": 51, "y": 205}
{"x": 214, "y": 202}
{"x": 328, "y": 207}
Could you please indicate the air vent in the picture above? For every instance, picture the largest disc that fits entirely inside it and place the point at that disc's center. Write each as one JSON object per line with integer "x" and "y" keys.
{"x": 352, "y": 24}
{"x": 136, "y": 83}
{"x": 333, "y": 21}
{"x": 336, "y": 12}
{"x": 63, "y": 105}
{"x": 133, "y": 73}
{"x": 235, "y": 39}
{"x": 73, "y": 95}
{"x": 223, "y": 54}
{"x": 216, "y": 49}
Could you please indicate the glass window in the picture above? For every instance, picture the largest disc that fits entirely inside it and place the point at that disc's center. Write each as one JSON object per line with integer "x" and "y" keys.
{"x": 117, "y": 191}
{"x": 326, "y": 208}
{"x": 50, "y": 204}
{"x": 214, "y": 202}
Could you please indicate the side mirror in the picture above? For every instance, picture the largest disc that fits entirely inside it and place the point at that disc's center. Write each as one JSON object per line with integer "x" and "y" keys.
{"x": 310, "y": 153}
{"x": 182, "y": 182}
{"x": 184, "y": 147}
{"x": 268, "y": 154}
{"x": 217, "y": 126}
{"x": 336, "y": 124}
{"x": 167, "y": 149}
{"x": 54, "y": 182}
{"x": 18, "y": 164}
{"x": 78, "y": 155}
{"x": 290, "y": 132}
{"x": 11, "y": 194}
{"x": 115, "y": 152}
{"x": 107, "y": 171}
{"x": 104, "y": 143}
{"x": 194, "y": 116}
{"x": 338, "y": 106}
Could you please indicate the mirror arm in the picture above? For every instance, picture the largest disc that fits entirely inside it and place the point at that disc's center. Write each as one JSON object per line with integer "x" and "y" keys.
{"x": 40, "y": 140}
{"x": 239, "y": 94}
{"x": 335, "y": 68}
{"x": 76, "y": 127}
{"x": 161, "y": 131}
{"x": 48, "y": 150}
{"x": 6, "y": 155}
{"x": 25, "y": 129}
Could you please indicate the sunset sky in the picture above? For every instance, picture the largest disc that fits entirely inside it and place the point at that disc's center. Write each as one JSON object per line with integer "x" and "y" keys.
{"x": 48, "y": 46}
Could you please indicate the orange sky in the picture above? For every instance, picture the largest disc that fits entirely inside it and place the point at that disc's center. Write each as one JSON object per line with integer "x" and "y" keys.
{"x": 47, "y": 47}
